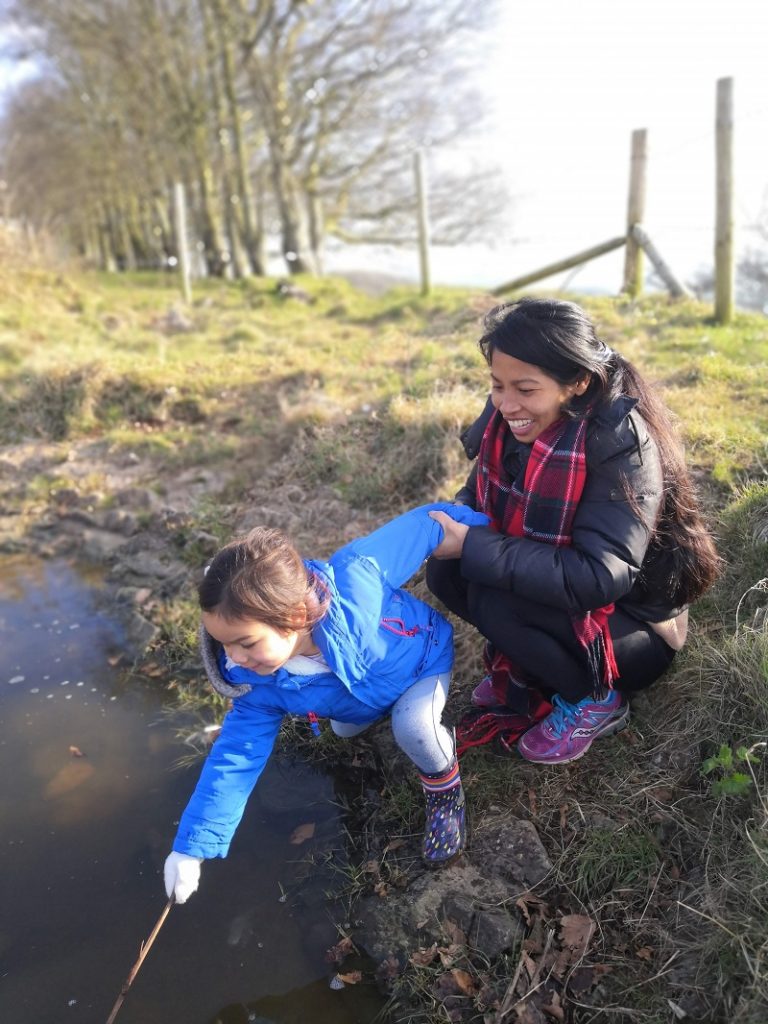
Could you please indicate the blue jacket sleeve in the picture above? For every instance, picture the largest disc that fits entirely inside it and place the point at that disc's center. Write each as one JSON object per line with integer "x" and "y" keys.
{"x": 229, "y": 774}
{"x": 400, "y": 547}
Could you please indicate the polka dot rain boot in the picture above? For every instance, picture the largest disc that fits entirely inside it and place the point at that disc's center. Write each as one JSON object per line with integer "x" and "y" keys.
{"x": 445, "y": 834}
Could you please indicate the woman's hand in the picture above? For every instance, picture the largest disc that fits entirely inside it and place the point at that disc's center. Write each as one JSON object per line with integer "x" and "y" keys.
{"x": 453, "y": 536}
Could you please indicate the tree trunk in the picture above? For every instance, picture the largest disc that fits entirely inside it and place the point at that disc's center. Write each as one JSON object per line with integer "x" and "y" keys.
{"x": 251, "y": 241}
{"x": 292, "y": 233}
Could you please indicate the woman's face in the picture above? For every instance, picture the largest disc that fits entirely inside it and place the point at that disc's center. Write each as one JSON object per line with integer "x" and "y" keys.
{"x": 253, "y": 645}
{"x": 528, "y": 398}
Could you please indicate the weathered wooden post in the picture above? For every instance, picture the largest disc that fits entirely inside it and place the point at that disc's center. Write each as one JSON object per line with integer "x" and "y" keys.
{"x": 633, "y": 254}
{"x": 423, "y": 221}
{"x": 180, "y": 217}
{"x": 724, "y": 269}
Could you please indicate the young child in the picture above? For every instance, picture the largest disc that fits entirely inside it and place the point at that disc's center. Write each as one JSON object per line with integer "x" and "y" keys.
{"x": 338, "y": 639}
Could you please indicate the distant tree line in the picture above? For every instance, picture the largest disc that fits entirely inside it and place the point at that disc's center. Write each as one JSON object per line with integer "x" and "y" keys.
{"x": 286, "y": 119}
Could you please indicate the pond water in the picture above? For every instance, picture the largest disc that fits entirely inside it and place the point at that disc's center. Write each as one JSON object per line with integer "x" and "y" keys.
{"x": 90, "y": 796}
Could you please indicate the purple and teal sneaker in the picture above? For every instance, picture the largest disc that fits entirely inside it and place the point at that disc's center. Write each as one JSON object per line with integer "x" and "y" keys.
{"x": 568, "y": 730}
{"x": 487, "y": 694}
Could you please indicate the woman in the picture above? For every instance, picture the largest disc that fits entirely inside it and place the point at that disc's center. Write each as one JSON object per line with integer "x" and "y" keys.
{"x": 596, "y": 548}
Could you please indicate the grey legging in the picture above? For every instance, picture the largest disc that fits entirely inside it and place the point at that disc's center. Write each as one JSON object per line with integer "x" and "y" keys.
{"x": 416, "y": 725}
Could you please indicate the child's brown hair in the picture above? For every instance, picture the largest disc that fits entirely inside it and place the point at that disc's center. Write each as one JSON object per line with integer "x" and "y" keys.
{"x": 262, "y": 577}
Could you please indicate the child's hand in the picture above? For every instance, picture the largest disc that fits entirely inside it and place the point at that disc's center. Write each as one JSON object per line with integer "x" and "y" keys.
{"x": 453, "y": 536}
{"x": 182, "y": 875}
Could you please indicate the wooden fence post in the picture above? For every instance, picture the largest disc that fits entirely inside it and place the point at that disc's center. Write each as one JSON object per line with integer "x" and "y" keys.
{"x": 633, "y": 255}
{"x": 180, "y": 216}
{"x": 724, "y": 269}
{"x": 556, "y": 268}
{"x": 423, "y": 221}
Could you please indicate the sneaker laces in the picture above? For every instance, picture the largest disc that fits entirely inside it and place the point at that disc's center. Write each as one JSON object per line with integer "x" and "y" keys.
{"x": 563, "y": 714}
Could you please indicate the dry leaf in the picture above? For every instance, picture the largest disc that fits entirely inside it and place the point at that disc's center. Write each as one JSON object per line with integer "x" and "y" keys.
{"x": 576, "y": 931}
{"x": 422, "y": 957}
{"x": 342, "y": 949}
{"x": 464, "y": 981}
{"x": 530, "y": 965}
{"x": 152, "y": 669}
{"x": 554, "y": 1009}
{"x": 76, "y": 752}
{"x": 394, "y": 844}
{"x": 446, "y": 986}
{"x": 381, "y": 889}
{"x": 450, "y": 954}
{"x": 584, "y": 979}
{"x": 388, "y": 969}
{"x": 454, "y": 933}
{"x": 371, "y": 867}
{"x": 302, "y": 833}
{"x": 563, "y": 816}
{"x": 72, "y": 775}
{"x": 533, "y": 803}
{"x": 353, "y": 978}
{"x": 644, "y": 953}
{"x": 526, "y": 903}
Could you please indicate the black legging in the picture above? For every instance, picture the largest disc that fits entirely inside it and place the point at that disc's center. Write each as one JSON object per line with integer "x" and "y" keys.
{"x": 540, "y": 639}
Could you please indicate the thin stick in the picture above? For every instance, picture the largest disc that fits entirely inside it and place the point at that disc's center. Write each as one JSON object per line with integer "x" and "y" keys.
{"x": 145, "y": 947}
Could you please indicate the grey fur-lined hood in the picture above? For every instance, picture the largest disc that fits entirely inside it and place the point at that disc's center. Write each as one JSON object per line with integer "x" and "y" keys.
{"x": 209, "y": 651}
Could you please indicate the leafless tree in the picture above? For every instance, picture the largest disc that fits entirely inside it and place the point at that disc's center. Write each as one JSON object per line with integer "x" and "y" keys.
{"x": 280, "y": 116}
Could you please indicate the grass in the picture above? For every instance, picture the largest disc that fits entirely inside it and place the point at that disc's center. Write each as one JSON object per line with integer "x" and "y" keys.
{"x": 332, "y": 415}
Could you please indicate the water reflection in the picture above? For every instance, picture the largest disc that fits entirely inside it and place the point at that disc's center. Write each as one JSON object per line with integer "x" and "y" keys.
{"x": 89, "y": 802}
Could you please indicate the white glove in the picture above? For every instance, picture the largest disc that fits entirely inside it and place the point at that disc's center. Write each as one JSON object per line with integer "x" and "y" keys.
{"x": 182, "y": 875}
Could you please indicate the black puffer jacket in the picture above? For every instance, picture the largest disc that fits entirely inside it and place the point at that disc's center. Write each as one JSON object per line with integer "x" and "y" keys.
{"x": 614, "y": 556}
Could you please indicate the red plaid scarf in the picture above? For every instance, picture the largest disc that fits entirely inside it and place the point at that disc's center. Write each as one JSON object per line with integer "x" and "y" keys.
{"x": 543, "y": 511}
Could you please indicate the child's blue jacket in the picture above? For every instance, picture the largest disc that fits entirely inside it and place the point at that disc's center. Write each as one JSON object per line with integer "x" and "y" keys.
{"x": 377, "y": 641}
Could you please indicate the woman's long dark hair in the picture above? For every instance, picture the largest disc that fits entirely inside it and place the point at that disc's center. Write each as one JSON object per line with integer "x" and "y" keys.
{"x": 559, "y": 338}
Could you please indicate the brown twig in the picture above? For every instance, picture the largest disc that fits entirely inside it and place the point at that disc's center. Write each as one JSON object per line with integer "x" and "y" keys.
{"x": 145, "y": 947}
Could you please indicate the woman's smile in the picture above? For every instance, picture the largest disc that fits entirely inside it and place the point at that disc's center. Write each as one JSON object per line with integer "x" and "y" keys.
{"x": 527, "y": 397}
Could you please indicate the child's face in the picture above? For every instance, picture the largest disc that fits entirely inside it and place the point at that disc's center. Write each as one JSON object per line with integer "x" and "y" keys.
{"x": 253, "y": 645}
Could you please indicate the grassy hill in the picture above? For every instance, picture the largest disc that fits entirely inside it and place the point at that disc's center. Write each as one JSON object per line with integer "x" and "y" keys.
{"x": 330, "y": 411}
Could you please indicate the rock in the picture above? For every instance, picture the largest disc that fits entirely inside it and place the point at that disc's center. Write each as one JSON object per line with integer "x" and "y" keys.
{"x": 139, "y": 499}
{"x": 100, "y": 545}
{"x": 494, "y": 932}
{"x": 140, "y": 633}
{"x": 516, "y": 853}
{"x": 67, "y": 497}
{"x": 206, "y": 542}
{"x": 174, "y": 322}
{"x": 288, "y": 290}
{"x": 137, "y": 596}
{"x": 146, "y": 565}
{"x": 119, "y": 520}
{"x": 461, "y": 911}
{"x": 79, "y": 515}
{"x": 505, "y": 860}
